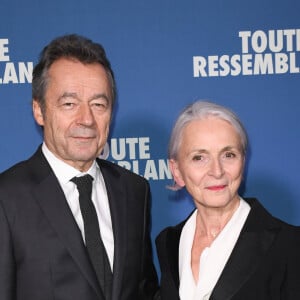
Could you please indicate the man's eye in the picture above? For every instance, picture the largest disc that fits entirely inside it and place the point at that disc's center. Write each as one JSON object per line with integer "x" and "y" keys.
{"x": 102, "y": 106}
{"x": 68, "y": 104}
{"x": 99, "y": 104}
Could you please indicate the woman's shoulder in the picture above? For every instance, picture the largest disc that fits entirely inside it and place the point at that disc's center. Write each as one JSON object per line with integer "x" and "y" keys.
{"x": 173, "y": 231}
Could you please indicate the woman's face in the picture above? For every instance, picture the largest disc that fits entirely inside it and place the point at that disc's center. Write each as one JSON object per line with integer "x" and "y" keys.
{"x": 210, "y": 162}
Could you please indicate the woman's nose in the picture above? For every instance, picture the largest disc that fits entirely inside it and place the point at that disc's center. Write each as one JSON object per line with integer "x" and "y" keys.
{"x": 216, "y": 168}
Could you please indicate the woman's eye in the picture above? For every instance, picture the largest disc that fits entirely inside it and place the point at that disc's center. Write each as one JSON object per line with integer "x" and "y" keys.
{"x": 230, "y": 155}
{"x": 200, "y": 158}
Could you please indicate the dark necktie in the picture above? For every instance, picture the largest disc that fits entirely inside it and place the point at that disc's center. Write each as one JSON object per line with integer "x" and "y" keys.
{"x": 93, "y": 241}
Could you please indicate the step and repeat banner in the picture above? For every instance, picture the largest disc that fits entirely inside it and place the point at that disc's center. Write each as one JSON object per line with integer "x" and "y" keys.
{"x": 166, "y": 54}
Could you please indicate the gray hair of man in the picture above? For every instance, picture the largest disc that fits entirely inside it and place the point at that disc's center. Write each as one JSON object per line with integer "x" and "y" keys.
{"x": 200, "y": 110}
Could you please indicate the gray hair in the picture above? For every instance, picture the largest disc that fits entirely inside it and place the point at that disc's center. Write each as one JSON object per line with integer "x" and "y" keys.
{"x": 200, "y": 110}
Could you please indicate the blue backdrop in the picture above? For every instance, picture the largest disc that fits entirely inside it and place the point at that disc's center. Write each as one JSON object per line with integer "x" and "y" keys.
{"x": 166, "y": 54}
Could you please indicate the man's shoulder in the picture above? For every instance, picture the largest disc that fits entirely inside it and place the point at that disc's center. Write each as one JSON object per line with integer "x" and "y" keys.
{"x": 116, "y": 170}
{"x": 23, "y": 169}
{"x": 15, "y": 170}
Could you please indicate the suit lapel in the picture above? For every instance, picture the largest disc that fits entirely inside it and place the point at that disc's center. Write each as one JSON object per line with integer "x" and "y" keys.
{"x": 118, "y": 206}
{"x": 167, "y": 244}
{"x": 51, "y": 199}
{"x": 244, "y": 260}
{"x": 173, "y": 250}
{"x": 253, "y": 244}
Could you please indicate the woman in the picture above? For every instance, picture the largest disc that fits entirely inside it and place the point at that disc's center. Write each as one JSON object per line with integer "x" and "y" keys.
{"x": 229, "y": 247}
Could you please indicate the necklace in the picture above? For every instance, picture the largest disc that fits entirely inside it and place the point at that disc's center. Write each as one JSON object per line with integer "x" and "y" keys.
{"x": 214, "y": 233}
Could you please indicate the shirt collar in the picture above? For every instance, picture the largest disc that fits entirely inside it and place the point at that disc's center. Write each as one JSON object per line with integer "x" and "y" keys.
{"x": 63, "y": 171}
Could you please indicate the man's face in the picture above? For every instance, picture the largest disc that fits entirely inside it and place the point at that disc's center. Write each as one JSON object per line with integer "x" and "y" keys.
{"x": 77, "y": 112}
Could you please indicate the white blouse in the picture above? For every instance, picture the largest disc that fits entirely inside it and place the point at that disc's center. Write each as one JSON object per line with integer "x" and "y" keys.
{"x": 212, "y": 259}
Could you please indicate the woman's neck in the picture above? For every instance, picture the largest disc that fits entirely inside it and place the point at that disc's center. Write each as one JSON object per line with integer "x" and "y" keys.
{"x": 211, "y": 221}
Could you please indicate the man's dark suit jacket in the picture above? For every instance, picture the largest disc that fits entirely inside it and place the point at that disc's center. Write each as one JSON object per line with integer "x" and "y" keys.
{"x": 42, "y": 254}
{"x": 264, "y": 264}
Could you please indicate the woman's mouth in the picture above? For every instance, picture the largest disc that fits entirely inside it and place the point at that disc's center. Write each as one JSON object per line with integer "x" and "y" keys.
{"x": 216, "y": 187}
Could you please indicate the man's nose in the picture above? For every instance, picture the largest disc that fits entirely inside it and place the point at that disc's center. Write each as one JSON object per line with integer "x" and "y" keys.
{"x": 85, "y": 115}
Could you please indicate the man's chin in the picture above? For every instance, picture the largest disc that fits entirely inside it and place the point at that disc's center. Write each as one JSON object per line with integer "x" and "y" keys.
{"x": 84, "y": 156}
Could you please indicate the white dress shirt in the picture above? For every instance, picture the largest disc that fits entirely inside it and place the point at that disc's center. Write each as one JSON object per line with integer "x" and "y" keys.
{"x": 64, "y": 174}
{"x": 212, "y": 259}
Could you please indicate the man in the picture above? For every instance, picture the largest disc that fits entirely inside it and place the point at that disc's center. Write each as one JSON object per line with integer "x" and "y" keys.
{"x": 50, "y": 247}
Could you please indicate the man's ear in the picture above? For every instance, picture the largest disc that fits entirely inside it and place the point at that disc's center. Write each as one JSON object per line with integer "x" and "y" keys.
{"x": 173, "y": 164}
{"x": 37, "y": 112}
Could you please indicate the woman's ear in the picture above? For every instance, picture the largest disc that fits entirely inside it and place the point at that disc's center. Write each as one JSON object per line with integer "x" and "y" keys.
{"x": 174, "y": 168}
{"x": 37, "y": 112}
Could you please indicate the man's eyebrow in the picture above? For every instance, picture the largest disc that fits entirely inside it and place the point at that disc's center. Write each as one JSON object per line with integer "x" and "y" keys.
{"x": 68, "y": 95}
{"x": 75, "y": 96}
{"x": 99, "y": 96}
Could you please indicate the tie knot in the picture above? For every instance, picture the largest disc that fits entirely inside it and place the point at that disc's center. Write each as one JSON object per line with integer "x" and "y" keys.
{"x": 84, "y": 183}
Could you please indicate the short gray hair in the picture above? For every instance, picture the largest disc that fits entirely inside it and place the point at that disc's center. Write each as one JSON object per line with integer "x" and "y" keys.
{"x": 200, "y": 110}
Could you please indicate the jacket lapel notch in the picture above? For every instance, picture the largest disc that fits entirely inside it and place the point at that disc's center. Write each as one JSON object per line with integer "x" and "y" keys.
{"x": 244, "y": 260}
